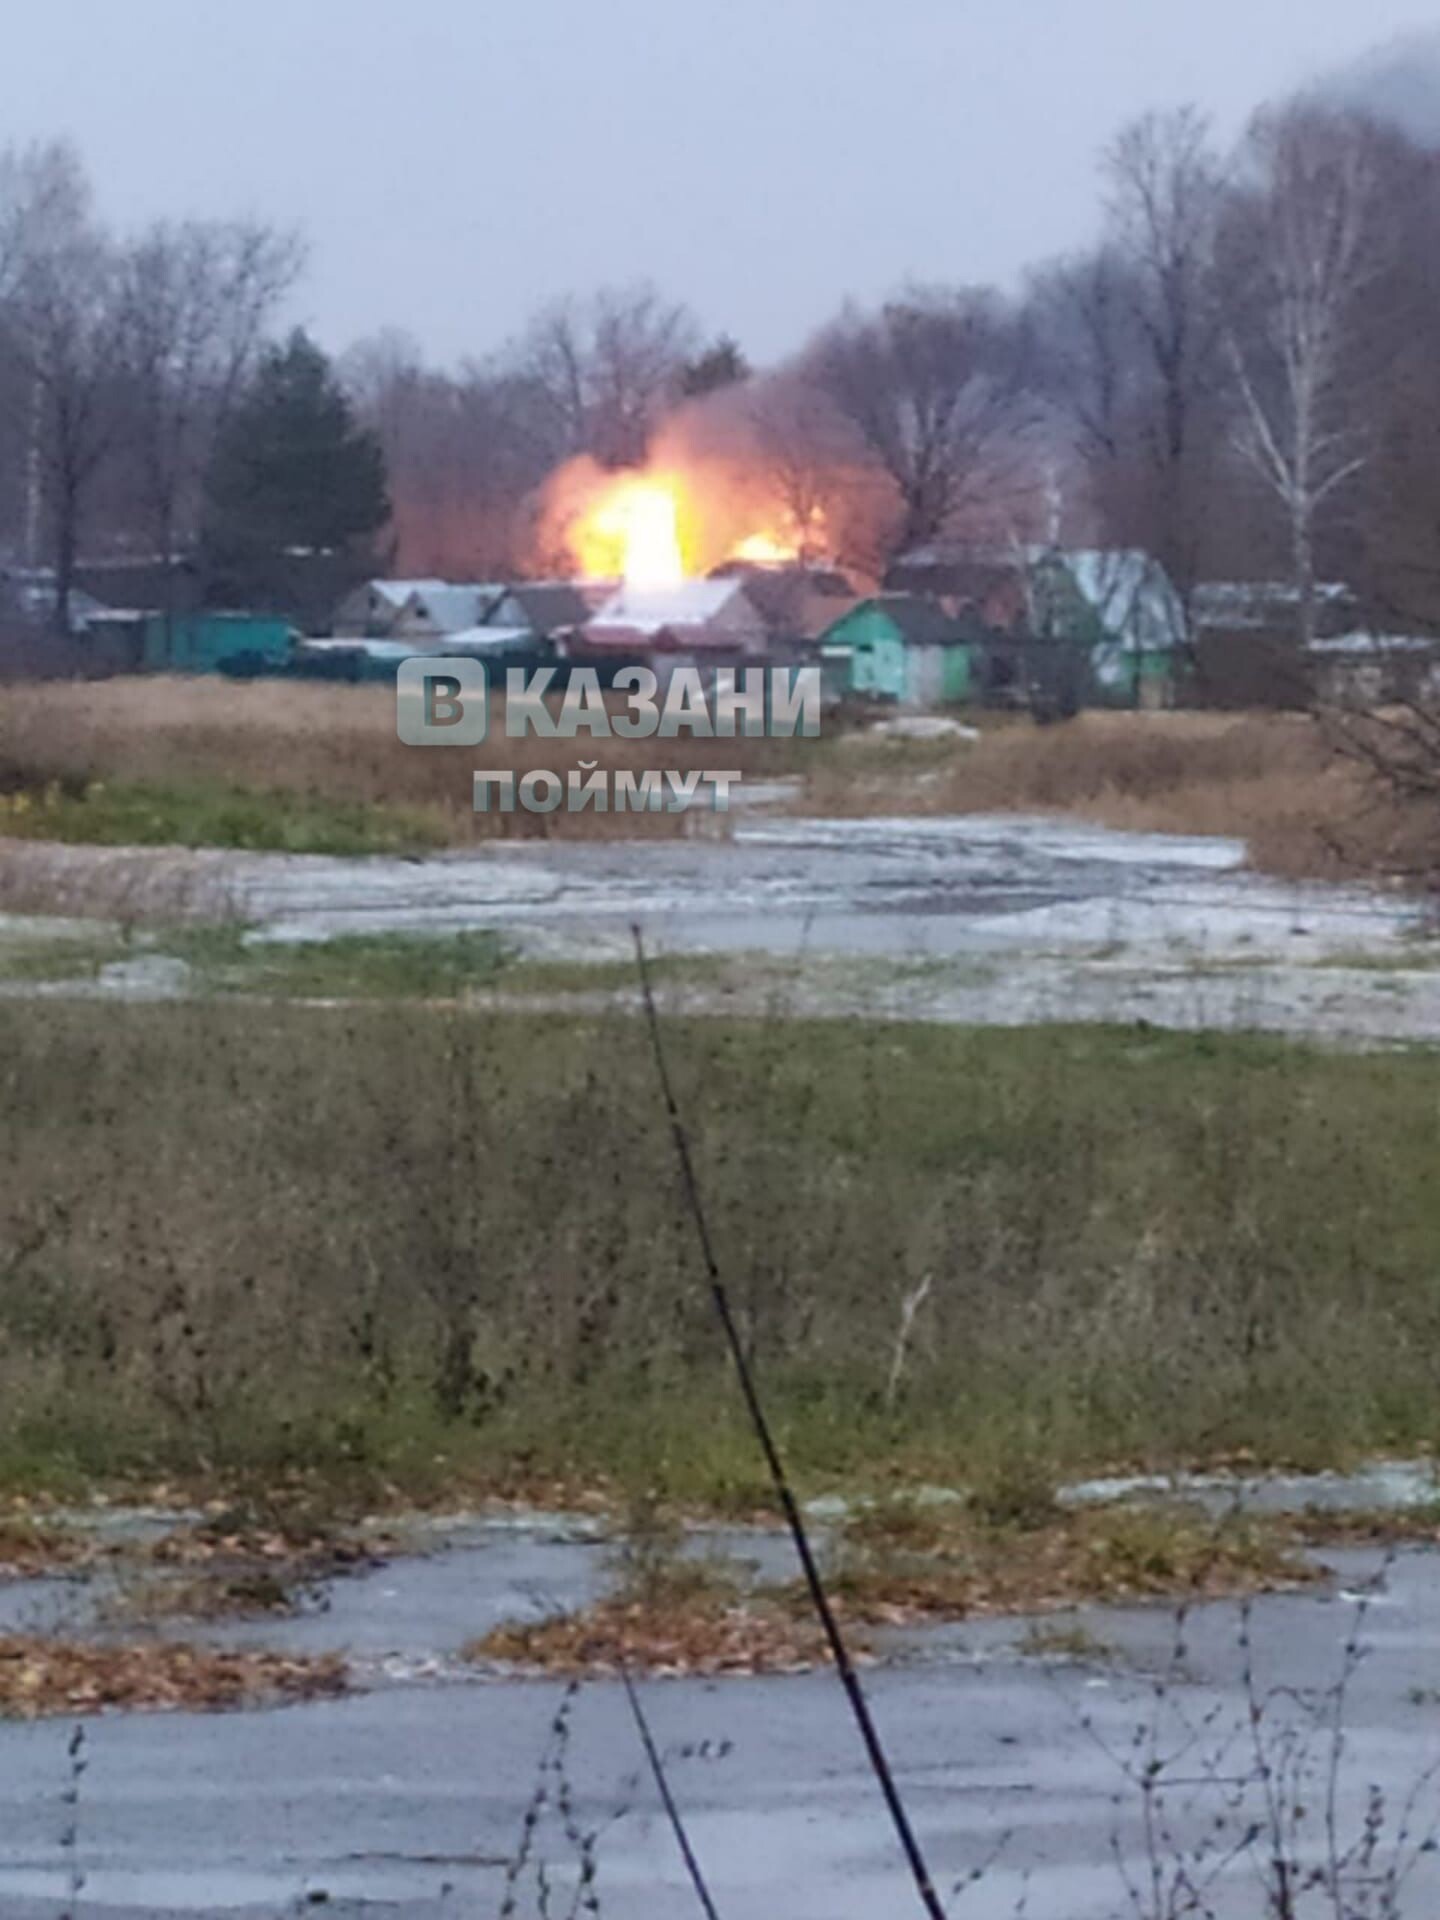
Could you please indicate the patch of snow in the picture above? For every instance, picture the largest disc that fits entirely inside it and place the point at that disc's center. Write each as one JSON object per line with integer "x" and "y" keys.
{"x": 149, "y": 976}
{"x": 922, "y": 726}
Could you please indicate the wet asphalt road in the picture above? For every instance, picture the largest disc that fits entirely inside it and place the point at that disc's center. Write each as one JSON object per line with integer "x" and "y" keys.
{"x": 409, "y": 1797}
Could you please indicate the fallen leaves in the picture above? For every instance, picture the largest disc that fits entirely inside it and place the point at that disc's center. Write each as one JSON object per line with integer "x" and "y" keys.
{"x": 29, "y": 1547}
{"x": 707, "y": 1637}
{"x": 241, "y": 1593}
{"x": 1122, "y": 1553}
{"x": 676, "y": 1616}
{"x": 39, "y": 1677}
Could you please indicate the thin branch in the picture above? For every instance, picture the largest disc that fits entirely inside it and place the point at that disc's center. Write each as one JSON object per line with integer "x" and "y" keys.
{"x": 672, "y": 1810}
{"x": 789, "y": 1506}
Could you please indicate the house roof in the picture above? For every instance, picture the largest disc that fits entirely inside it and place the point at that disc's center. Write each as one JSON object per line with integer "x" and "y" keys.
{"x": 452, "y": 606}
{"x": 1260, "y": 603}
{"x": 32, "y": 592}
{"x": 690, "y": 603}
{"x": 386, "y": 650}
{"x": 922, "y": 622}
{"x": 1128, "y": 589}
{"x": 797, "y": 602}
{"x": 397, "y": 592}
{"x": 486, "y": 639}
{"x": 1363, "y": 641}
{"x": 955, "y": 572}
{"x": 550, "y": 604}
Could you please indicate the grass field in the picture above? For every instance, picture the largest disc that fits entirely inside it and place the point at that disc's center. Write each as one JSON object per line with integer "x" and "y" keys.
{"x": 293, "y": 766}
{"x": 1273, "y": 780}
{"x": 305, "y": 768}
{"x": 446, "y": 1250}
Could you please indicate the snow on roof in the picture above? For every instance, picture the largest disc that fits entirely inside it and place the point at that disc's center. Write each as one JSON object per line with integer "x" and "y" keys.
{"x": 485, "y": 640}
{"x": 692, "y": 603}
{"x": 1256, "y": 603}
{"x": 452, "y": 606}
{"x": 1363, "y": 642}
{"x": 549, "y": 604}
{"x": 397, "y": 592}
{"x": 1129, "y": 590}
{"x": 372, "y": 649}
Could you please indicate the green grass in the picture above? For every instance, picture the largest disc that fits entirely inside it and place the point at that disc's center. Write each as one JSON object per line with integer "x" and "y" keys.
{"x": 354, "y": 967}
{"x": 401, "y": 966}
{"x": 1420, "y": 954}
{"x": 59, "y": 957}
{"x": 619, "y": 976}
{"x": 445, "y": 1247}
{"x": 206, "y": 814}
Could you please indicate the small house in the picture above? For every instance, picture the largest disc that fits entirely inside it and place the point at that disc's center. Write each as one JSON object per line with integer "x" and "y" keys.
{"x": 902, "y": 647}
{"x": 438, "y": 608}
{"x": 370, "y": 610}
{"x": 1120, "y": 607}
{"x": 985, "y": 587}
{"x": 713, "y": 623}
{"x": 546, "y": 609}
{"x": 798, "y": 603}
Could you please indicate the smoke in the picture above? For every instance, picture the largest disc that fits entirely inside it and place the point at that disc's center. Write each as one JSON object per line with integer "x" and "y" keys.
{"x": 1398, "y": 83}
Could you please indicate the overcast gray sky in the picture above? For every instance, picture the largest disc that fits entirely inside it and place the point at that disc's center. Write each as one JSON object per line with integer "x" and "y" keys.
{"x": 455, "y": 163}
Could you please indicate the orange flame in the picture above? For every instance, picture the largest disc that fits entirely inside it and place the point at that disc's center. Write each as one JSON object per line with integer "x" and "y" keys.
{"x": 632, "y": 528}
{"x": 765, "y": 550}
{"x": 655, "y": 528}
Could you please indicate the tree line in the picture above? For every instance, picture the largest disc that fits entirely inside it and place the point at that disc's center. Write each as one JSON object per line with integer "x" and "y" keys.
{"x": 1242, "y": 375}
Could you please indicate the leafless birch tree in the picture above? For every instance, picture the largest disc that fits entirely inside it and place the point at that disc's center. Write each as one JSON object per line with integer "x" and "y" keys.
{"x": 1303, "y": 251}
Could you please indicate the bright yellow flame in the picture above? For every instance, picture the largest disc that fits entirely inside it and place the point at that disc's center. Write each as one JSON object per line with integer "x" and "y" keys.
{"x": 634, "y": 531}
{"x": 786, "y": 541}
{"x": 656, "y": 528}
{"x": 765, "y": 550}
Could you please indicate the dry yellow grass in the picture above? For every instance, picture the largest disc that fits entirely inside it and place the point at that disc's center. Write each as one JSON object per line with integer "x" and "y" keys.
{"x": 291, "y": 737}
{"x": 1274, "y": 780}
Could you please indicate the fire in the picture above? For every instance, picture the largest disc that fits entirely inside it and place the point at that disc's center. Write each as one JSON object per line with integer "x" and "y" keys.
{"x": 633, "y": 529}
{"x": 657, "y": 527}
{"x": 765, "y": 549}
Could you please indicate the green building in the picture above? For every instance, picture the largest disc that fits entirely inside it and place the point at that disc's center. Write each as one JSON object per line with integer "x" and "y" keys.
{"x": 899, "y": 647}
{"x": 1120, "y": 607}
{"x": 205, "y": 642}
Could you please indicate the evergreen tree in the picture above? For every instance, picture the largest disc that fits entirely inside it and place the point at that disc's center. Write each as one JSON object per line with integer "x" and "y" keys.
{"x": 721, "y": 364}
{"x": 296, "y": 489}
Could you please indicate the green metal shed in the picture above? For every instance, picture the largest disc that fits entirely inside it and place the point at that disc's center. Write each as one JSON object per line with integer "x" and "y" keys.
{"x": 899, "y": 646}
{"x": 199, "y": 642}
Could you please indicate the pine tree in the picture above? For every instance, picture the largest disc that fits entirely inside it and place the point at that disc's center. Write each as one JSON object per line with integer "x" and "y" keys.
{"x": 722, "y": 364}
{"x": 296, "y": 485}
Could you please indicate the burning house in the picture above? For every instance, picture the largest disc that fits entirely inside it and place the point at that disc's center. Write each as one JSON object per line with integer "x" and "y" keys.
{"x": 705, "y": 623}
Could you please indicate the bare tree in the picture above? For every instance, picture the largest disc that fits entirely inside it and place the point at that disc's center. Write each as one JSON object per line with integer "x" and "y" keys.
{"x": 801, "y": 455}
{"x": 1089, "y": 347}
{"x": 1304, "y": 247}
{"x": 63, "y": 322}
{"x": 1165, "y": 191}
{"x": 197, "y": 298}
{"x": 464, "y": 452}
{"x": 42, "y": 186}
{"x": 933, "y": 389}
{"x": 606, "y": 366}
